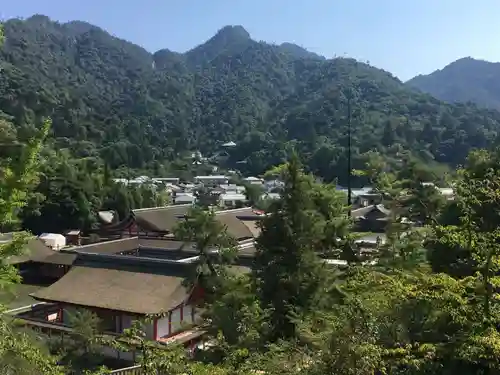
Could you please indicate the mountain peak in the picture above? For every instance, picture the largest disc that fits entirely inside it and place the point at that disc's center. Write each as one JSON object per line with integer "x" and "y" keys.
{"x": 38, "y": 19}
{"x": 233, "y": 32}
{"x": 464, "y": 80}
{"x": 228, "y": 39}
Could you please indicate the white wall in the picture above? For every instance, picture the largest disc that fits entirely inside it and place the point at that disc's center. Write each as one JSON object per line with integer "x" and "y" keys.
{"x": 176, "y": 320}
{"x": 162, "y": 326}
{"x": 188, "y": 314}
{"x": 197, "y": 315}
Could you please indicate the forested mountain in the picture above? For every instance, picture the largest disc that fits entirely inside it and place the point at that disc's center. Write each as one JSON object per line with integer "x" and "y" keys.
{"x": 464, "y": 80}
{"x": 113, "y": 100}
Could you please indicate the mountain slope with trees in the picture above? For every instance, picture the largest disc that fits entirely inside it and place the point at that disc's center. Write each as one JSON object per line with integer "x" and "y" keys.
{"x": 113, "y": 101}
{"x": 464, "y": 80}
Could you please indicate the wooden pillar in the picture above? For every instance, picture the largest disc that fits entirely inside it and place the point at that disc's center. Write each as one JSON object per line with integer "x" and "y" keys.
{"x": 170, "y": 323}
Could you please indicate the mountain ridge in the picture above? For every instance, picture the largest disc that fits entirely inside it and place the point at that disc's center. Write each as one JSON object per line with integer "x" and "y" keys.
{"x": 464, "y": 80}
{"x": 113, "y": 101}
{"x": 227, "y": 33}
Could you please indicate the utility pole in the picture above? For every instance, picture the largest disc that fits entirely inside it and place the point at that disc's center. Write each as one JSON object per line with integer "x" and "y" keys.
{"x": 349, "y": 187}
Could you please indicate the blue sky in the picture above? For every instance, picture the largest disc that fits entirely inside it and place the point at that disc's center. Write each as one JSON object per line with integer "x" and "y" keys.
{"x": 405, "y": 37}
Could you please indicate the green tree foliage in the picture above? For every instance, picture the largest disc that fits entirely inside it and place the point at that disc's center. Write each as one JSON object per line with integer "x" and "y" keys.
{"x": 474, "y": 212}
{"x": 71, "y": 192}
{"x": 214, "y": 246}
{"x": 288, "y": 272}
{"x": 81, "y": 348}
{"x": 19, "y": 354}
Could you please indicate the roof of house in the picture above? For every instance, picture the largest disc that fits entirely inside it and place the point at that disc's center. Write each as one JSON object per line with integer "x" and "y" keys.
{"x": 211, "y": 177}
{"x": 233, "y": 197}
{"x": 35, "y": 251}
{"x": 160, "y": 219}
{"x": 61, "y": 258}
{"x": 67, "y": 256}
{"x": 108, "y": 247}
{"x": 140, "y": 286}
{"x": 361, "y": 212}
{"x": 106, "y": 216}
{"x": 235, "y": 226}
{"x": 117, "y": 227}
{"x": 252, "y": 225}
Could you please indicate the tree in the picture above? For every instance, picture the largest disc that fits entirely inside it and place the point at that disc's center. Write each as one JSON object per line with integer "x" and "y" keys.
{"x": 288, "y": 273}
{"x": 214, "y": 245}
{"x": 17, "y": 177}
{"x": 253, "y": 193}
{"x": 81, "y": 348}
{"x": 205, "y": 199}
{"x": 478, "y": 197}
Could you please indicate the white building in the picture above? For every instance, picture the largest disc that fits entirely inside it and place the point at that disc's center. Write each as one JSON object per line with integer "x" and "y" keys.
{"x": 232, "y": 200}
{"x": 273, "y": 185}
{"x": 213, "y": 180}
{"x": 184, "y": 198}
{"x": 167, "y": 180}
{"x": 53, "y": 240}
{"x": 232, "y": 188}
{"x": 254, "y": 180}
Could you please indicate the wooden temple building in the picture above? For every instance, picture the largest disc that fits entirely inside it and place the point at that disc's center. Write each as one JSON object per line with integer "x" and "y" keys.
{"x": 372, "y": 218}
{"x": 160, "y": 222}
{"x": 120, "y": 289}
{"x": 141, "y": 272}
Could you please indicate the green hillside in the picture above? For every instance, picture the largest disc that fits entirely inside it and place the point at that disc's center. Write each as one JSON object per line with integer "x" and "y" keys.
{"x": 114, "y": 100}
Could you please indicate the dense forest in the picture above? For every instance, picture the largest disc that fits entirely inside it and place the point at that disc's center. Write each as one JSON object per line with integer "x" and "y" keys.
{"x": 113, "y": 101}
{"x": 464, "y": 80}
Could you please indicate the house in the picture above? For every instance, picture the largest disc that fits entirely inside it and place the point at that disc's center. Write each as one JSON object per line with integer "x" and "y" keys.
{"x": 253, "y": 180}
{"x": 120, "y": 289}
{"x": 39, "y": 263}
{"x": 184, "y": 198}
{"x": 55, "y": 241}
{"x": 363, "y": 197}
{"x": 187, "y": 188}
{"x": 155, "y": 221}
{"x": 231, "y": 188}
{"x": 212, "y": 181}
{"x": 167, "y": 180}
{"x": 240, "y": 223}
{"x": 232, "y": 200}
{"x": 273, "y": 186}
{"x": 128, "y": 279}
{"x": 372, "y": 218}
{"x": 448, "y": 193}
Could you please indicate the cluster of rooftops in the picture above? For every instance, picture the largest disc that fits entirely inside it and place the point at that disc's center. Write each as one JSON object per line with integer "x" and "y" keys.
{"x": 138, "y": 269}
{"x": 137, "y": 266}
